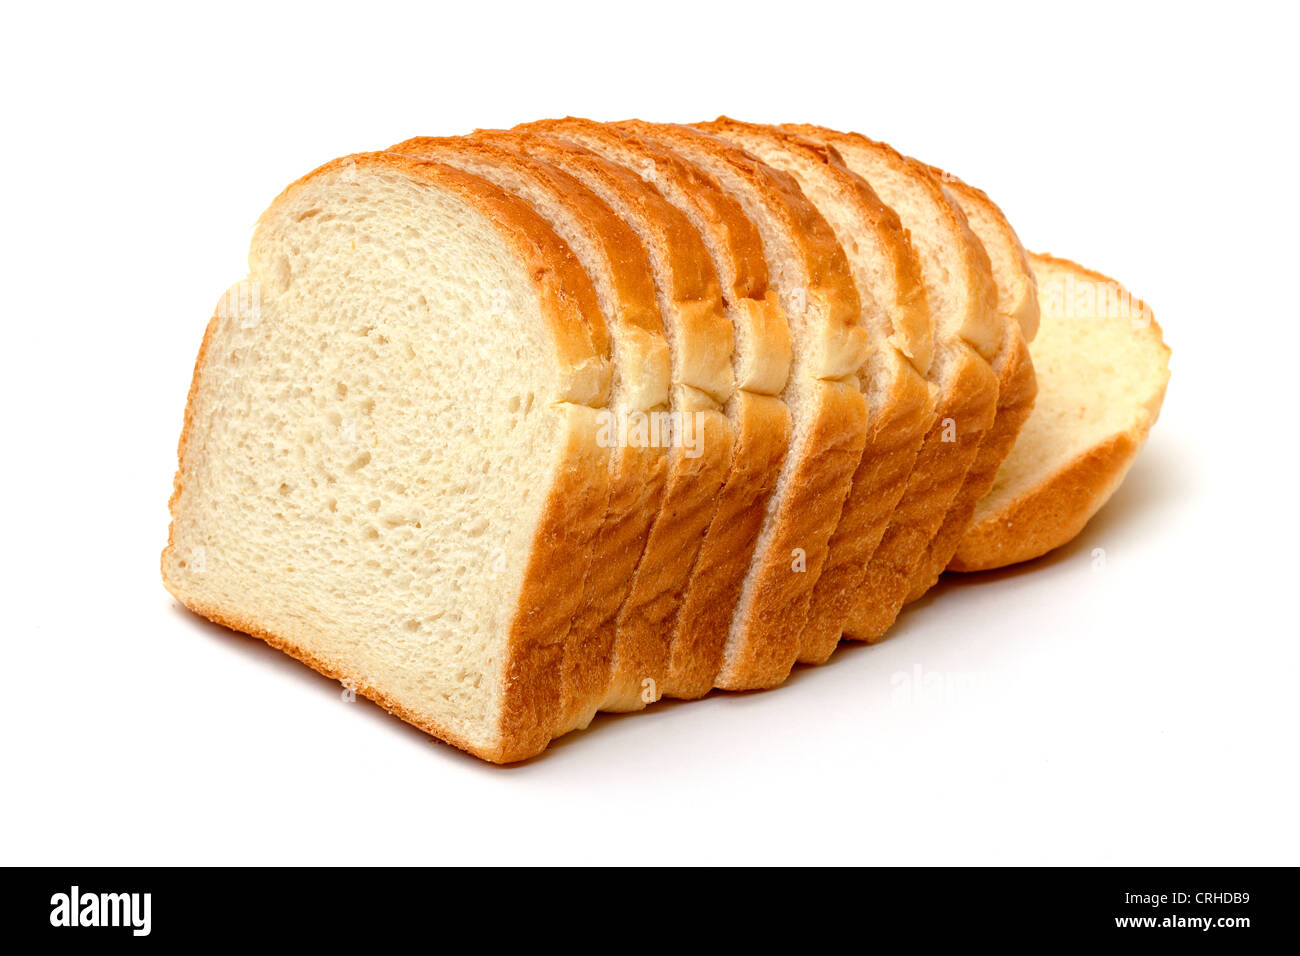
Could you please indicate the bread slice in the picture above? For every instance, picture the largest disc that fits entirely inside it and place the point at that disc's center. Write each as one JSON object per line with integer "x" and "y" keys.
{"x": 620, "y": 268}
{"x": 701, "y": 344}
{"x": 896, "y": 316}
{"x": 761, "y": 419}
{"x": 968, "y": 332}
{"x": 1017, "y": 386}
{"x": 812, "y": 279}
{"x": 1103, "y": 368}
{"x": 360, "y": 490}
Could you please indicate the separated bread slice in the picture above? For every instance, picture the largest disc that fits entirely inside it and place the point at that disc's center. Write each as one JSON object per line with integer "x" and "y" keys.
{"x": 1102, "y": 368}
{"x": 1017, "y": 386}
{"x": 702, "y": 438}
{"x": 761, "y": 364}
{"x": 895, "y": 314}
{"x": 812, "y": 279}
{"x": 621, "y": 272}
{"x": 363, "y": 492}
{"x": 968, "y": 334}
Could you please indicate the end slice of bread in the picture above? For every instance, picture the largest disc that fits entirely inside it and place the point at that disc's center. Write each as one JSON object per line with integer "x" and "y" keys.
{"x": 360, "y": 490}
{"x": 1103, "y": 368}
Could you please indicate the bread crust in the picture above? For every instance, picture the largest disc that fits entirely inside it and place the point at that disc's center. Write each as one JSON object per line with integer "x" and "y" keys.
{"x": 529, "y": 692}
{"x": 1056, "y": 509}
{"x": 964, "y": 412}
{"x": 879, "y": 483}
{"x": 741, "y": 266}
{"x": 762, "y": 427}
{"x": 764, "y": 640}
{"x": 1017, "y": 387}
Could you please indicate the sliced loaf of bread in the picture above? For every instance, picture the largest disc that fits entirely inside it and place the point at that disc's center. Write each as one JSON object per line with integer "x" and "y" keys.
{"x": 968, "y": 333}
{"x": 760, "y": 417}
{"x": 1102, "y": 368}
{"x": 621, "y": 272}
{"x": 360, "y": 490}
{"x": 814, "y": 283}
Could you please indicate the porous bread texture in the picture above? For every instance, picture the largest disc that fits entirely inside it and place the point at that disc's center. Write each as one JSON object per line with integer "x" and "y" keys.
{"x": 968, "y": 332}
{"x": 1103, "y": 368}
{"x": 1017, "y": 302}
{"x": 812, "y": 279}
{"x": 363, "y": 491}
{"x": 895, "y": 315}
{"x": 761, "y": 420}
{"x": 701, "y": 345}
{"x": 599, "y": 661}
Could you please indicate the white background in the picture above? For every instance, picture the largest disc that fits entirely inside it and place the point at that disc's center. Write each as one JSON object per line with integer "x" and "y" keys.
{"x": 1141, "y": 713}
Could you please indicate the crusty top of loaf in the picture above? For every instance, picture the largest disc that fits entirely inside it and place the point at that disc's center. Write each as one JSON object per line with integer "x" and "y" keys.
{"x": 909, "y": 313}
{"x": 567, "y": 298}
{"x": 841, "y": 345}
{"x": 703, "y": 336}
{"x": 763, "y": 335}
{"x": 978, "y": 321}
{"x": 1017, "y": 293}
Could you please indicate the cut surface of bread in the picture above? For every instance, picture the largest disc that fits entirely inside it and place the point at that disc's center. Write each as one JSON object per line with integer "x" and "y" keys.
{"x": 620, "y": 269}
{"x": 968, "y": 332}
{"x": 360, "y": 490}
{"x": 701, "y": 344}
{"x": 761, "y": 419}
{"x": 1103, "y": 368}
{"x": 896, "y": 317}
{"x": 1017, "y": 385}
{"x": 813, "y": 282}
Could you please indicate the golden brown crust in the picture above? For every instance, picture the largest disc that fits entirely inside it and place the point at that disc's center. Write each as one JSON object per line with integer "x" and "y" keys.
{"x": 764, "y": 642}
{"x": 1017, "y": 386}
{"x": 1020, "y": 302}
{"x": 911, "y": 329}
{"x": 980, "y": 324}
{"x": 1053, "y": 513}
{"x": 836, "y": 345}
{"x": 964, "y": 412}
{"x": 761, "y": 327}
{"x": 879, "y": 483}
{"x": 640, "y": 352}
{"x": 530, "y": 692}
{"x": 700, "y": 336}
{"x": 644, "y": 628}
{"x": 762, "y": 425}
{"x": 578, "y": 329}
{"x": 1055, "y": 510}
